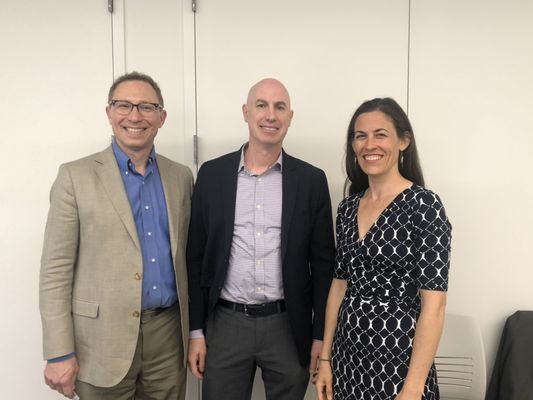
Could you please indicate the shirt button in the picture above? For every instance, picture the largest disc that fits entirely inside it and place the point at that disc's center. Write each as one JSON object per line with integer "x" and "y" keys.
{"x": 258, "y": 233}
{"x": 258, "y": 206}
{"x": 147, "y": 207}
{"x": 135, "y": 314}
{"x": 154, "y": 287}
{"x": 127, "y": 173}
{"x": 259, "y": 179}
{"x": 137, "y": 276}
{"x": 153, "y": 260}
{"x": 149, "y": 233}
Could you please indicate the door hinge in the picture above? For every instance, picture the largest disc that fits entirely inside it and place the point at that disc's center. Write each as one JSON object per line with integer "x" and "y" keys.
{"x": 195, "y": 149}
{"x": 193, "y": 5}
{"x": 110, "y": 7}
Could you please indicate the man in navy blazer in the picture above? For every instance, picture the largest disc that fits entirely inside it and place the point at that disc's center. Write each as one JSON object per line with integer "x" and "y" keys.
{"x": 260, "y": 259}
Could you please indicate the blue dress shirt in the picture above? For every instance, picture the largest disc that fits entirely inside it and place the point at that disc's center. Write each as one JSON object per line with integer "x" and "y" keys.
{"x": 147, "y": 201}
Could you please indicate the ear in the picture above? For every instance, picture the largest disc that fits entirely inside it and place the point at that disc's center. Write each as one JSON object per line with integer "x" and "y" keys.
{"x": 108, "y": 112}
{"x": 290, "y": 119}
{"x": 163, "y": 117}
{"x": 405, "y": 141}
{"x": 245, "y": 112}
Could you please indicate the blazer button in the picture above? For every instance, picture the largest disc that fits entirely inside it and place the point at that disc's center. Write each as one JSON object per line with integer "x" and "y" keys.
{"x": 137, "y": 276}
{"x": 136, "y": 314}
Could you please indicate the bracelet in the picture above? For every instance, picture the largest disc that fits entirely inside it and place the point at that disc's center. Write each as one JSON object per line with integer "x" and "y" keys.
{"x": 324, "y": 359}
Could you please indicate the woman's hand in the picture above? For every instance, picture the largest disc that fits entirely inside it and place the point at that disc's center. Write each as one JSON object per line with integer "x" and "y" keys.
{"x": 425, "y": 343}
{"x": 324, "y": 381}
{"x": 406, "y": 394}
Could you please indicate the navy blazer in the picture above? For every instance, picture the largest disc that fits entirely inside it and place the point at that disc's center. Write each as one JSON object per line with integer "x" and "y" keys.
{"x": 307, "y": 243}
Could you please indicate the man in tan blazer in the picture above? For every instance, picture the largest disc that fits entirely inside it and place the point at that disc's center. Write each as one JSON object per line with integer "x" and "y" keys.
{"x": 113, "y": 284}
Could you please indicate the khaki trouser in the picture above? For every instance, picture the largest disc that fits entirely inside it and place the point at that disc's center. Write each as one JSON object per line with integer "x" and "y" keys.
{"x": 157, "y": 371}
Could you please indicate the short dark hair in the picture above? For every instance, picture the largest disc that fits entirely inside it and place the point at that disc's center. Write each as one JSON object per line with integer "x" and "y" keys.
{"x": 136, "y": 76}
{"x": 357, "y": 179}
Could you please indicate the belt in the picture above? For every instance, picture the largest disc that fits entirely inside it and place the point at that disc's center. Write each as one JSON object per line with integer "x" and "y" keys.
{"x": 154, "y": 311}
{"x": 147, "y": 315}
{"x": 255, "y": 310}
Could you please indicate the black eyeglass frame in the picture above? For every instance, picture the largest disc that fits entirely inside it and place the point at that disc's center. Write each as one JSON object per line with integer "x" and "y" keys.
{"x": 133, "y": 105}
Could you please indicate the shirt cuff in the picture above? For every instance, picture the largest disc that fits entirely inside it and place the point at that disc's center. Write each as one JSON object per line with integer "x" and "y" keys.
{"x": 196, "y": 334}
{"x": 62, "y": 358}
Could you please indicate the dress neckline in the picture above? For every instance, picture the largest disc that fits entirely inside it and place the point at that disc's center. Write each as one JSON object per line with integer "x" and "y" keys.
{"x": 386, "y": 209}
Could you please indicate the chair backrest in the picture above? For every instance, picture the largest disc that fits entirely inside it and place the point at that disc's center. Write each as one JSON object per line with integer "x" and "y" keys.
{"x": 460, "y": 360}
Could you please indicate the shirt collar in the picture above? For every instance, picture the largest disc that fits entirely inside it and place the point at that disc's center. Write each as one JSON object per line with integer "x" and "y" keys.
{"x": 123, "y": 161}
{"x": 279, "y": 161}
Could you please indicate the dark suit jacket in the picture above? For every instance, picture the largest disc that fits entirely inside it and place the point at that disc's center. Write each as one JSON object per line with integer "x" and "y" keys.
{"x": 307, "y": 244}
{"x": 512, "y": 376}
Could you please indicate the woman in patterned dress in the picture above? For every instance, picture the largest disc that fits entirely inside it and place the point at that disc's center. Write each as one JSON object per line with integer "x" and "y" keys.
{"x": 386, "y": 305}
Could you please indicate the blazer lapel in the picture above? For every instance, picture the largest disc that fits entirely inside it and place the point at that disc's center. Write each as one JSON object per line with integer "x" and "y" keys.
{"x": 172, "y": 196}
{"x": 109, "y": 174}
{"x": 290, "y": 190}
{"x": 229, "y": 197}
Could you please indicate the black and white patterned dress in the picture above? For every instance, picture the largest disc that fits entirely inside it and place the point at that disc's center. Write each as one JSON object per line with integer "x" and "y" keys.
{"x": 406, "y": 249}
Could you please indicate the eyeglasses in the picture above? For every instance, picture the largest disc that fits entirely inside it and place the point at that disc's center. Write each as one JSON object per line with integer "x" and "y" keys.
{"x": 124, "y": 107}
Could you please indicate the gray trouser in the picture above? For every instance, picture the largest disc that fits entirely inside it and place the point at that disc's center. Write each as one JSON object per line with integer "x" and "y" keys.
{"x": 238, "y": 344}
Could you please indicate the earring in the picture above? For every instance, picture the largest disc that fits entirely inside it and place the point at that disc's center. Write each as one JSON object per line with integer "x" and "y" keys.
{"x": 401, "y": 159}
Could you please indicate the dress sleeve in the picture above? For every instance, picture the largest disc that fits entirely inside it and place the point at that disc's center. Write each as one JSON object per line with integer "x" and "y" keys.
{"x": 432, "y": 242}
{"x": 341, "y": 270}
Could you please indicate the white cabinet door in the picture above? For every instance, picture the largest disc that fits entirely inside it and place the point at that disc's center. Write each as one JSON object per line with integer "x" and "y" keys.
{"x": 148, "y": 36}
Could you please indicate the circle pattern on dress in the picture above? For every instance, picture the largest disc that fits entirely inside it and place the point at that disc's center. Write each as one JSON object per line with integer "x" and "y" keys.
{"x": 405, "y": 250}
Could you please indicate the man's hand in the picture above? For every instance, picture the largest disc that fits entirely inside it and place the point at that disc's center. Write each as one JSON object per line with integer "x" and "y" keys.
{"x": 196, "y": 357}
{"x": 316, "y": 348}
{"x": 61, "y": 376}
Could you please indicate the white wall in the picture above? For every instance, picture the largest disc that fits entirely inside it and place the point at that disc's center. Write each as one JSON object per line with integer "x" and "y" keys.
{"x": 54, "y": 75}
{"x": 469, "y": 89}
{"x": 471, "y": 106}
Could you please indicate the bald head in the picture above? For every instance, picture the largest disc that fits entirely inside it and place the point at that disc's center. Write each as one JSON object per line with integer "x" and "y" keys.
{"x": 269, "y": 84}
{"x": 268, "y": 114}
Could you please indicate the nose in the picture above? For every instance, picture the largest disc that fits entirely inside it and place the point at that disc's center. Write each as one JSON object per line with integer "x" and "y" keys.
{"x": 134, "y": 114}
{"x": 271, "y": 114}
{"x": 370, "y": 142}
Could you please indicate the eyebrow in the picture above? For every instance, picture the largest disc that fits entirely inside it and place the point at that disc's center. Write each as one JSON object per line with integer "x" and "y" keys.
{"x": 277, "y": 103}
{"x": 376, "y": 130}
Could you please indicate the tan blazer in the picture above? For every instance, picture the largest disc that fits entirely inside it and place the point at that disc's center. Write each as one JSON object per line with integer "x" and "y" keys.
{"x": 90, "y": 291}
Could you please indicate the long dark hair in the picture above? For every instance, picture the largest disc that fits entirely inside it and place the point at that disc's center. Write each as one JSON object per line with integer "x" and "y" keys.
{"x": 410, "y": 168}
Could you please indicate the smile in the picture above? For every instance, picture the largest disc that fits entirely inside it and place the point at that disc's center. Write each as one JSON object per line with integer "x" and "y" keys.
{"x": 134, "y": 130}
{"x": 268, "y": 128}
{"x": 372, "y": 157}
